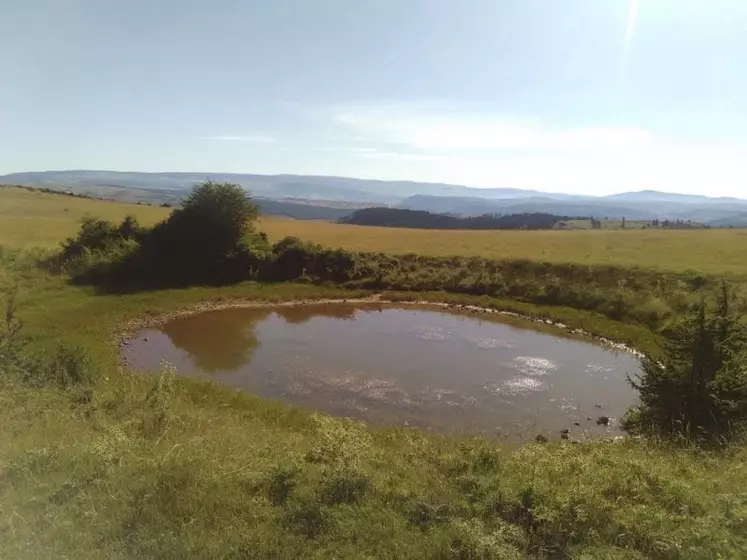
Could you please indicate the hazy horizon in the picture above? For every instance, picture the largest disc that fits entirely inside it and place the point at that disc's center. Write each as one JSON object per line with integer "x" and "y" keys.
{"x": 577, "y": 97}
{"x": 208, "y": 174}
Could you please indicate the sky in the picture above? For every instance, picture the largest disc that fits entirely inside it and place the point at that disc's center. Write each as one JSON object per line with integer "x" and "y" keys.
{"x": 579, "y": 96}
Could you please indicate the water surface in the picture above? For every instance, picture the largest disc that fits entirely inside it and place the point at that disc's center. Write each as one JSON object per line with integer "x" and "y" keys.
{"x": 393, "y": 365}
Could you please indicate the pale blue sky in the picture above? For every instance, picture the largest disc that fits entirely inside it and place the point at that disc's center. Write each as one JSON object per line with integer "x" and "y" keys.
{"x": 589, "y": 96}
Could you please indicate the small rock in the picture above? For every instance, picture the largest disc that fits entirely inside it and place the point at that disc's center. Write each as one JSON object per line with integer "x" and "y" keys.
{"x": 577, "y": 423}
{"x": 565, "y": 431}
{"x": 588, "y": 418}
{"x": 598, "y": 405}
{"x": 575, "y": 442}
{"x": 565, "y": 435}
{"x": 145, "y": 339}
{"x": 603, "y": 421}
{"x": 541, "y": 439}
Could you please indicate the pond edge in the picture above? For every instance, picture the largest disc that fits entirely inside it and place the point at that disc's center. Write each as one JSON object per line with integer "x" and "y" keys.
{"x": 123, "y": 335}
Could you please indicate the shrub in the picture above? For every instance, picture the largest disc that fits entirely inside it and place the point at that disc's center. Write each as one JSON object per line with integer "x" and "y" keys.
{"x": 699, "y": 386}
{"x": 97, "y": 235}
{"x": 11, "y": 342}
{"x": 158, "y": 402}
{"x": 308, "y": 518}
{"x": 69, "y": 367}
{"x": 344, "y": 487}
{"x": 209, "y": 228}
{"x": 280, "y": 485}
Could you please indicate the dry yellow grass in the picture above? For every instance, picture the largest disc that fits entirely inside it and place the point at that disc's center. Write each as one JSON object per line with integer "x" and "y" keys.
{"x": 707, "y": 251}
{"x": 35, "y": 219}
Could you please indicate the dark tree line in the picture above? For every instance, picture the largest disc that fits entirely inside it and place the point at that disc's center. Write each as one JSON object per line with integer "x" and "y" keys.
{"x": 420, "y": 219}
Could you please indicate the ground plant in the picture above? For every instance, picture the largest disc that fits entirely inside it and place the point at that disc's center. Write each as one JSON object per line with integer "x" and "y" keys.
{"x": 99, "y": 462}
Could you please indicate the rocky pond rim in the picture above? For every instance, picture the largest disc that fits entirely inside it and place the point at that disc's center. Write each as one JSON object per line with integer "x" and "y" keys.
{"x": 124, "y": 334}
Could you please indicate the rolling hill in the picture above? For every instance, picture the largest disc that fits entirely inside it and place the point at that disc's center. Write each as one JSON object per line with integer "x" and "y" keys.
{"x": 339, "y": 194}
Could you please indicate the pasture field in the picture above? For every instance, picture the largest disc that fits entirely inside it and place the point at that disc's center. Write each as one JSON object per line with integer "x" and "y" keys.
{"x": 34, "y": 219}
{"x": 129, "y": 466}
{"x": 714, "y": 251}
{"x": 38, "y": 219}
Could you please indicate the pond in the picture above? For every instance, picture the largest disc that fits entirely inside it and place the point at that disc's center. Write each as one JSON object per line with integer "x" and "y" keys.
{"x": 402, "y": 366}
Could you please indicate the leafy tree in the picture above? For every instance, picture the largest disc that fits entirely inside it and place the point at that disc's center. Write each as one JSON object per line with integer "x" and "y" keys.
{"x": 211, "y": 238}
{"x": 212, "y": 222}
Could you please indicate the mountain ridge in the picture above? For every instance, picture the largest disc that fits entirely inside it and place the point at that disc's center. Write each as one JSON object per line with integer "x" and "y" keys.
{"x": 428, "y": 196}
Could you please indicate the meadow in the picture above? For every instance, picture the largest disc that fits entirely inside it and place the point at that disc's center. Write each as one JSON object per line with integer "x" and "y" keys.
{"x": 157, "y": 467}
{"x": 717, "y": 251}
{"x": 34, "y": 219}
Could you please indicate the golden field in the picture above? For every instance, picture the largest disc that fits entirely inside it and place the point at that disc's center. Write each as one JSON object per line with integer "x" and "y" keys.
{"x": 35, "y": 219}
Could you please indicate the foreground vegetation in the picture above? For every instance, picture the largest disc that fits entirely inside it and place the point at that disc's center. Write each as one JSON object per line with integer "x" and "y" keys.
{"x": 96, "y": 462}
{"x": 117, "y": 465}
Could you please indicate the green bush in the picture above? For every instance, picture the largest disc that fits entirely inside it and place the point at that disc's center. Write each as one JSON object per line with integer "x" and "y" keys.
{"x": 98, "y": 235}
{"x": 698, "y": 387}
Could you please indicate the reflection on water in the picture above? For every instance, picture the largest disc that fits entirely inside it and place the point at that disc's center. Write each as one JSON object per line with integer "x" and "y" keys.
{"x": 400, "y": 366}
{"x": 216, "y": 341}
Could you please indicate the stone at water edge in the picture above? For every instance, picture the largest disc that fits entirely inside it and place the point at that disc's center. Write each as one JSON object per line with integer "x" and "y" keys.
{"x": 565, "y": 433}
{"x": 603, "y": 421}
{"x": 541, "y": 439}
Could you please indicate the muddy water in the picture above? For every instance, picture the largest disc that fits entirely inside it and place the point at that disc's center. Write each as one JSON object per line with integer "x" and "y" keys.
{"x": 401, "y": 366}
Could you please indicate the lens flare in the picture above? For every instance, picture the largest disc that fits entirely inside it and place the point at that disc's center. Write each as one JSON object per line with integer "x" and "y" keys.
{"x": 629, "y": 36}
{"x": 632, "y": 20}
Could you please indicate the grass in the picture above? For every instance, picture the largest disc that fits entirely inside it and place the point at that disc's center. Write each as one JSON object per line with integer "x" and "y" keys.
{"x": 714, "y": 251}
{"x": 37, "y": 219}
{"x": 229, "y": 476}
{"x": 33, "y": 219}
{"x": 179, "y": 468}
{"x": 150, "y": 467}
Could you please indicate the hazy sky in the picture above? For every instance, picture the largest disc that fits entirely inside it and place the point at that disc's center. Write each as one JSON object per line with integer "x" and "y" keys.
{"x": 588, "y": 96}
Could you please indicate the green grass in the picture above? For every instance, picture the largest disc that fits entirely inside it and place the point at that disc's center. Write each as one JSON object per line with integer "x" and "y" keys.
{"x": 227, "y": 475}
{"x": 160, "y": 468}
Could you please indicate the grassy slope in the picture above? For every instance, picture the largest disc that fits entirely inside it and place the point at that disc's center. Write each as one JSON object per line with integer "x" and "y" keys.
{"x": 105, "y": 478}
{"x": 38, "y": 219}
{"x": 708, "y": 251}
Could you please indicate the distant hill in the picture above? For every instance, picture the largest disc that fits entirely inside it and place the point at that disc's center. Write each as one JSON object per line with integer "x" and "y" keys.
{"x": 342, "y": 192}
{"x": 737, "y": 221}
{"x": 473, "y": 206}
{"x": 301, "y": 211}
{"x": 398, "y": 217}
{"x": 656, "y": 196}
{"x": 267, "y": 186}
